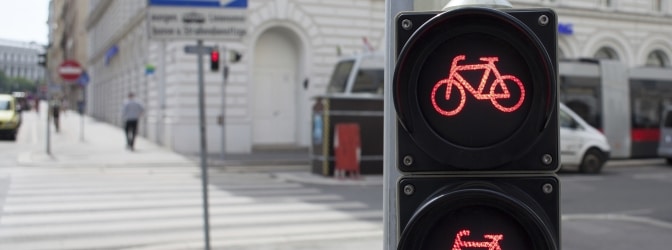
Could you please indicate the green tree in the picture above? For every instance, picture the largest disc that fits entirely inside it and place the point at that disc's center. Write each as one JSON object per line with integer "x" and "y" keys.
{"x": 11, "y": 84}
{"x": 4, "y": 81}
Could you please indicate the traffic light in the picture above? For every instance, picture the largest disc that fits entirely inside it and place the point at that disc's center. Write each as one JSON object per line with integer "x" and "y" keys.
{"x": 234, "y": 56}
{"x": 477, "y": 131}
{"x": 214, "y": 60}
{"x": 42, "y": 59}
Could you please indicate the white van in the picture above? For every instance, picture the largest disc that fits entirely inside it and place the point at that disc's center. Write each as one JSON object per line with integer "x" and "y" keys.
{"x": 581, "y": 146}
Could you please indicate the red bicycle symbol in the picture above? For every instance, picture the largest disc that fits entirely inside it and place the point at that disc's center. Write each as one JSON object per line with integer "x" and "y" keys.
{"x": 493, "y": 244}
{"x": 456, "y": 80}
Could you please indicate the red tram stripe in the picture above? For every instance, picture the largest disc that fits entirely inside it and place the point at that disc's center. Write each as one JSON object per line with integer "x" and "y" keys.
{"x": 645, "y": 135}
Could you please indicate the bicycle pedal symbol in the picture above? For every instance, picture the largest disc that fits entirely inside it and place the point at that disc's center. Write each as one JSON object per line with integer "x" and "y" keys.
{"x": 492, "y": 244}
{"x": 503, "y": 83}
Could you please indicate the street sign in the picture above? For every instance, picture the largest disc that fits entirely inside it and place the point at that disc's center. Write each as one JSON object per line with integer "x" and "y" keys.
{"x": 194, "y": 49}
{"x": 197, "y": 19}
{"x": 69, "y": 70}
{"x": 83, "y": 79}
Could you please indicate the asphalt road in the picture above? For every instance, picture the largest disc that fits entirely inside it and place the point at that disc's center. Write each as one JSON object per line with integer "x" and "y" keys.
{"x": 628, "y": 207}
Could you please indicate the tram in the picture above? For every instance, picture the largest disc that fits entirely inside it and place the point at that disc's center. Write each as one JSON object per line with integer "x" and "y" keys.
{"x": 624, "y": 103}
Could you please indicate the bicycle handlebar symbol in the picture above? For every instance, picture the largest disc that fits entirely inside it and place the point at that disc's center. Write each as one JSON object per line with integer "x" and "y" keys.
{"x": 503, "y": 82}
{"x": 493, "y": 244}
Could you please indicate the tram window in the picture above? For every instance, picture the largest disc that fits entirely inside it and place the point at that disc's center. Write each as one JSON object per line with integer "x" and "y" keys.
{"x": 647, "y": 98}
{"x": 339, "y": 78}
{"x": 668, "y": 120}
{"x": 582, "y": 95}
{"x": 369, "y": 81}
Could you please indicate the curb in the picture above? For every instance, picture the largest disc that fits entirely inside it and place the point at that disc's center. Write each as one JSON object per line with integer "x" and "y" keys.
{"x": 635, "y": 162}
{"x": 310, "y": 178}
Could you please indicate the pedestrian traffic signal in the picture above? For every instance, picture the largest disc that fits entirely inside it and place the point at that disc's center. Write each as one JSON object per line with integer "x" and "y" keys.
{"x": 214, "y": 60}
{"x": 477, "y": 131}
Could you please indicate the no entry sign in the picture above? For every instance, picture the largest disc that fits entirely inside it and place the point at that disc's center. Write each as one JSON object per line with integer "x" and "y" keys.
{"x": 70, "y": 70}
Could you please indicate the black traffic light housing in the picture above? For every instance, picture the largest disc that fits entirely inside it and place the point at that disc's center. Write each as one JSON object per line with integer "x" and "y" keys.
{"x": 475, "y": 93}
{"x": 523, "y": 211}
{"x": 481, "y": 137}
{"x": 42, "y": 60}
{"x": 214, "y": 60}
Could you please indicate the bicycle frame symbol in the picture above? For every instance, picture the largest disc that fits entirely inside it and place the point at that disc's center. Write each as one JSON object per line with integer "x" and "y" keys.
{"x": 455, "y": 80}
{"x": 492, "y": 244}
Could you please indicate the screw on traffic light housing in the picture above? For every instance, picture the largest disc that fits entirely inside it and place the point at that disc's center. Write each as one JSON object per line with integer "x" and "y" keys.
{"x": 214, "y": 60}
{"x": 477, "y": 131}
{"x": 42, "y": 59}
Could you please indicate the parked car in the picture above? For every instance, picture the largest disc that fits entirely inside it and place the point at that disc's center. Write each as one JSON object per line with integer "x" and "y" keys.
{"x": 10, "y": 116}
{"x": 581, "y": 146}
{"x": 665, "y": 145}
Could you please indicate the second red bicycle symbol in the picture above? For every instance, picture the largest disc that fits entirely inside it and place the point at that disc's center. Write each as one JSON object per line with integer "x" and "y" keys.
{"x": 499, "y": 92}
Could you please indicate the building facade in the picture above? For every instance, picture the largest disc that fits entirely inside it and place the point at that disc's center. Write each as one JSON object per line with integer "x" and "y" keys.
{"x": 67, "y": 41}
{"x": 635, "y": 32}
{"x": 288, "y": 52}
{"x": 20, "y": 59}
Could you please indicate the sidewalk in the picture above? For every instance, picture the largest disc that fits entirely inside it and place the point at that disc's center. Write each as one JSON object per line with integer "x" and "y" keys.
{"x": 104, "y": 146}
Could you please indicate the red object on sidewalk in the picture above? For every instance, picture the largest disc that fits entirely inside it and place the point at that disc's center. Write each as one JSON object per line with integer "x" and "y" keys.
{"x": 347, "y": 149}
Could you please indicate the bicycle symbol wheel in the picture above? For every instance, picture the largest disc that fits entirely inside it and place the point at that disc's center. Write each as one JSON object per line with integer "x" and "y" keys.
{"x": 506, "y": 84}
{"x": 449, "y": 86}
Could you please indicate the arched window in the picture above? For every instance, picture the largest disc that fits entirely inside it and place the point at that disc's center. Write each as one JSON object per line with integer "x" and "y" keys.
{"x": 657, "y": 58}
{"x": 606, "y": 53}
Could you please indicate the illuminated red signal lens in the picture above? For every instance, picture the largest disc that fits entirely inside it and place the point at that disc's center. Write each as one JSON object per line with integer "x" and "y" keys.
{"x": 214, "y": 56}
{"x": 491, "y": 241}
{"x": 498, "y": 88}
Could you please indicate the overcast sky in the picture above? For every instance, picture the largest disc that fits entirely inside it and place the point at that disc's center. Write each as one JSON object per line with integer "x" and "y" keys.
{"x": 24, "y": 20}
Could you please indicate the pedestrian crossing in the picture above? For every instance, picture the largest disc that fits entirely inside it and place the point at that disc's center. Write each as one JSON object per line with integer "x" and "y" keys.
{"x": 149, "y": 210}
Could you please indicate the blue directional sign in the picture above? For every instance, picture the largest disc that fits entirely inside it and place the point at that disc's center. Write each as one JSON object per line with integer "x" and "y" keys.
{"x": 197, "y": 19}
{"x": 83, "y": 79}
{"x": 201, "y": 3}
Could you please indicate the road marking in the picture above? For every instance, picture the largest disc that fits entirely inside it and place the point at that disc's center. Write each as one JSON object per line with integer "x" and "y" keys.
{"x": 619, "y": 217}
{"x": 92, "y": 209}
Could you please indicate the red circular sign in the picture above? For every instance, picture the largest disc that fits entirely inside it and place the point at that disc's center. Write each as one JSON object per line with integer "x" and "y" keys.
{"x": 70, "y": 70}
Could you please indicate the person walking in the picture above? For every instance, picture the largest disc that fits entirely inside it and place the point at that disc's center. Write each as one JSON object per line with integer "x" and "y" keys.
{"x": 131, "y": 113}
{"x": 56, "y": 113}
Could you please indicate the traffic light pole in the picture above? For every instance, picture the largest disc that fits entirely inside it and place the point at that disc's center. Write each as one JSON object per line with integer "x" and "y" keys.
{"x": 225, "y": 75}
{"x": 201, "y": 124}
{"x": 390, "y": 172}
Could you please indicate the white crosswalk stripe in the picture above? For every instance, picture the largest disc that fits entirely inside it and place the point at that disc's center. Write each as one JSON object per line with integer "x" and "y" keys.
{"x": 137, "y": 210}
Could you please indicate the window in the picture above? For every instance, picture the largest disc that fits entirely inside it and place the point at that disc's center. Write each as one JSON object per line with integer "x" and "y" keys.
{"x": 566, "y": 121}
{"x": 369, "y": 81}
{"x": 668, "y": 119}
{"x": 657, "y": 58}
{"x": 4, "y": 105}
{"x": 339, "y": 78}
{"x": 606, "y": 53}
